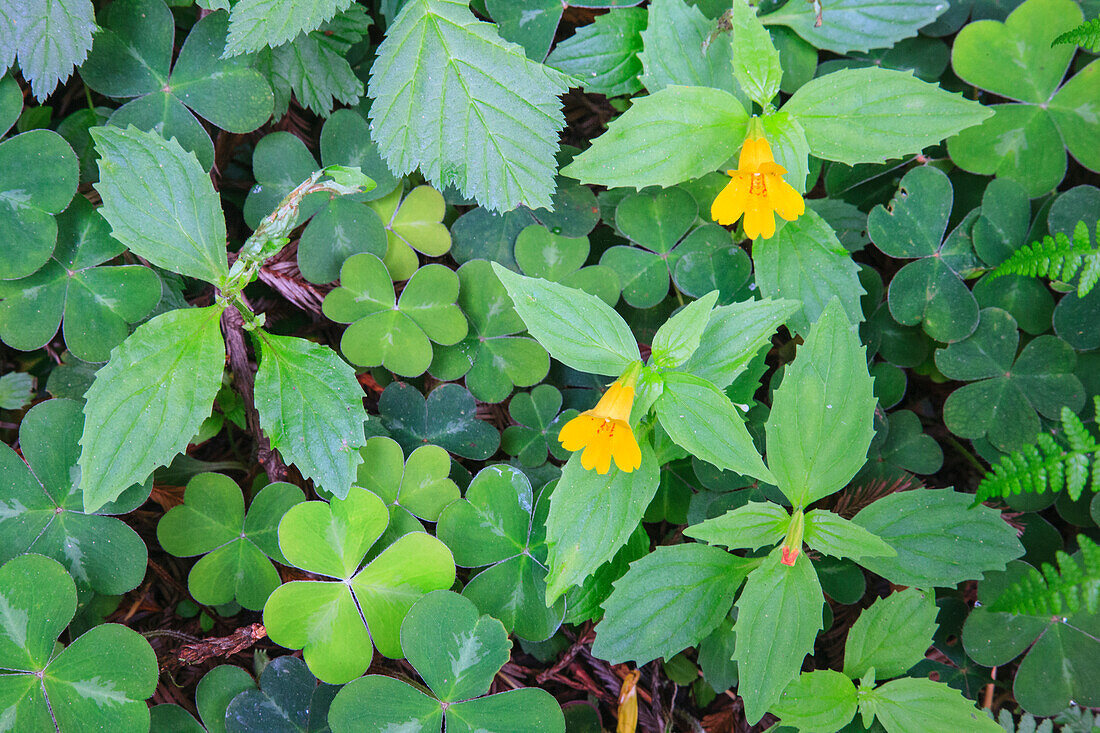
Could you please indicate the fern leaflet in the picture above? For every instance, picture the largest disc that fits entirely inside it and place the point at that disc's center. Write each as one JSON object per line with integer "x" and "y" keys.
{"x": 1070, "y": 587}
{"x": 1086, "y": 35}
{"x": 1057, "y": 258}
{"x": 1047, "y": 465}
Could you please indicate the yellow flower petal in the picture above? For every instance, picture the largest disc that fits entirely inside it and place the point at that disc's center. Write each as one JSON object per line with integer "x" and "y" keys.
{"x": 754, "y": 153}
{"x": 787, "y": 201}
{"x": 624, "y": 448}
{"x": 576, "y": 433}
{"x": 731, "y": 201}
{"x": 598, "y": 453}
{"x": 759, "y": 222}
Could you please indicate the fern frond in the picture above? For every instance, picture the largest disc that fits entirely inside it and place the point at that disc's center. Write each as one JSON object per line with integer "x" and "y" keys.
{"x": 1046, "y": 465}
{"x": 1070, "y": 587}
{"x": 1057, "y": 258}
{"x": 1086, "y": 35}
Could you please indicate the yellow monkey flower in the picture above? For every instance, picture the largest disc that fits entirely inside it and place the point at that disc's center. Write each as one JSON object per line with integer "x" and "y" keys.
{"x": 757, "y": 190}
{"x": 604, "y": 431}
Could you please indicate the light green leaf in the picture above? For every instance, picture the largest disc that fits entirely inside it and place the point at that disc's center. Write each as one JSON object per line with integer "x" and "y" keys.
{"x": 592, "y": 516}
{"x": 733, "y": 335}
{"x": 873, "y": 114}
{"x": 669, "y": 600}
{"x": 148, "y": 402}
{"x": 680, "y": 49}
{"x": 678, "y": 337}
{"x": 939, "y": 539}
{"x": 53, "y": 37}
{"x": 755, "y": 59}
{"x": 667, "y": 137}
{"x": 254, "y": 24}
{"x": 603, "y": 55}
{"x": 578, "y": 329}
{"x": 752, "y": 526}
{"x": 435, "y": 107}
{"x": 892, "y": 635}
{"x": 833, "y": 535}
{"x": 160, "y": 202}
{"x": 311, "y": 408}
{"x": 820, "y": 424}
{"x": 700, "y": 418}
{"x": 919, "y": 705}
{"x": 778, "y": 617}
{"x": 817, "y": 701}
{"x": 856, "y": 25}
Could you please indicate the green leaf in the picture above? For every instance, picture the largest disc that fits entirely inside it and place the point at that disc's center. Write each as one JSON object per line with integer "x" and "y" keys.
{"x": 778, "y": 617}
{"x": 379, "y": 702}
{"x": 592, "y": 516}
{"x": 212, "y": 522}
{"x": 734, "y": 334}
{"x": 447, "y": 418}
{"x": 100, "y": 680}
{"x": 419, "y": 487}
{"x": 493, "y": 526}
{"x": 578, "y": 329}
{"x": 700, "y": 418}
{"x": 856, "y": 25}
{"x": 603, "y": 55}
{"x": 160, "y": 203}
{"x": 931, "y": 290}
{"x": 530, "y": 23}
{"x": 16, "y": 390}
{"x": 427, "y": 76}
{"x": 910, "y": 705}
{"x": 412, "y": 223}
{"x": 539, "y": 418}
{"x": 805, "y": 262}
{"x": 678, "y": 337}
{"x": 30, "y": 194}
{"x": 939, "y": 540}
{"x": 94, "y": 304}
{"x": 680, "y": 49}
{"x": 288, "y": 698}
{"x": 670, "y": 136}
{"x": 67, "y": 24}
{"x": 148, "y": 402}
{"x": 820, "y": 700}
{"x": 755, "y": 59}
{"x": 892, "y": 635}
{"x": 303, "y": 389}
{"x": 669, "y": 600}
{"x": 874, "y": 114}
{"x": 42, "y": 510}
{"x": 254, "y": 24}
{"x": 833, "y": 535}
{"x": 820, "y": 423}
{"x": 751, "y": 526}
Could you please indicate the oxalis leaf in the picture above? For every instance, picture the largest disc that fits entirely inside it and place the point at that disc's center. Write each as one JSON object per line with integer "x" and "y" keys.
{"x": 149, "y": 401}
{"x": 431, "y": 73}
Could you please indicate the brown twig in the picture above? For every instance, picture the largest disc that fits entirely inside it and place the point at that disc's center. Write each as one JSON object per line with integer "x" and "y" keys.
{"x": 221, "y": 646}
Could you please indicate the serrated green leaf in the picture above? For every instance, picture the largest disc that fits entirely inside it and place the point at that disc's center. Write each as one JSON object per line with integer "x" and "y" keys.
{"x": 430, "y": 72}
{"x": 752, "y": 526}
{"x": 870, "y": 115}
{"x": 311, "y": 408}
{"x": 665, "y": 138}
{"x": 915, "y": 705}
{"x": 817, "y": 701}
{"x": 856, "y": 25}
{"x": 669, "y": 600}
{"x": 755, "y": 59}
{"x": 148, "y": 402}
{"x": 604, "y": 54}
{"x": 778, "y": 617}
{"x": 820, "y": 424}
{"x": 733, "y": 335}
{"x": 680, "y": 49}
{"x": 53, "y": 36}
{"x": 160, "y": 202}
{"x": 833, "y": 535}
{"x": 678, "y": 337}
{"x": 892, "y": 635}
{"x": 254, "y": 24}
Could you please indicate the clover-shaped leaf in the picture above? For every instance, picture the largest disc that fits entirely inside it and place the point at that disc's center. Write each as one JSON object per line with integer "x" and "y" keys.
{"x": 413, "y": 222}
{"x": 1060, "y": 651}
{"x": 901, "y": 446}
{"x": 659, "y": 224}
{"x": 929, "y": 291}
{"x": 42, "y": 505}
{"x": 335, "y": 622}
{"x": 414, "y": 490}
{"x": 215, "y": 691}
{"x": 236, "y": 547}
{"x": 492, "y": 358}
{"x": 132, "y": 57}
{"x": 560, "y": 259}
{"x": 385, "y": 331}
{"x": 540, "y": 417}
{"x": 289, "y": 699}
{"x": 1007, "y": 389}
{"x": 99, "y": 682}
{"x": 30, "y": 195}
{"x": 457, "y": 653}
{"x": 482, "y": 234}
{"x": 494, "y": 526}
{"x": 447, "y": 418}
{"x": 95, "y": 304}
{"x": 1026, "y": 139}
